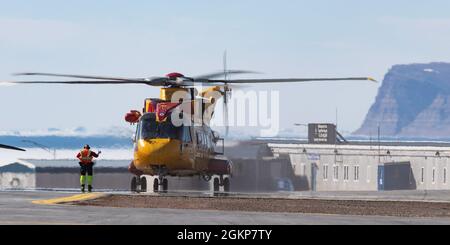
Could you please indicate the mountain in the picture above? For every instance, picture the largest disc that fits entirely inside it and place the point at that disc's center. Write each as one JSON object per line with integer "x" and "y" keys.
{"x": 413, "y": 102}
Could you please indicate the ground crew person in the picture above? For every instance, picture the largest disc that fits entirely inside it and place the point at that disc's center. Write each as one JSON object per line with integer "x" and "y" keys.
{"x": 86, "y": 156}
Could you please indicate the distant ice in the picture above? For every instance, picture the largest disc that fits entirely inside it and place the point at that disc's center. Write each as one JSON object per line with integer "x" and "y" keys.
{"x": 6, "y": 84}
{"x": 72, "y": 132}
{"x": 7, "y": 157}
{"x": 430, "y": 71}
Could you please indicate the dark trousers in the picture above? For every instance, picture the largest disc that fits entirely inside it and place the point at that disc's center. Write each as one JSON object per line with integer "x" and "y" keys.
{"x": 87, "y": 168}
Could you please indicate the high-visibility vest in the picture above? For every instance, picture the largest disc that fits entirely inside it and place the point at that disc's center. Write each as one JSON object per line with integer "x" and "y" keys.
{"x": 86, "y": 156}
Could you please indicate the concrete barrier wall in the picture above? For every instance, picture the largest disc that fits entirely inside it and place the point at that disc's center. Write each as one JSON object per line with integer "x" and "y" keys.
{"x": 116, "y": 181}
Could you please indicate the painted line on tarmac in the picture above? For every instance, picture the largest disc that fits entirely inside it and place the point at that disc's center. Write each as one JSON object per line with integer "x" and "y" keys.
{"x": 74, "y": 198}
{"x": 35, "y": 222}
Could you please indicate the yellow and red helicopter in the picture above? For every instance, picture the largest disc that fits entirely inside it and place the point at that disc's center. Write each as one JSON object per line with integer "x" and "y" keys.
{"x": 162, "y": 148}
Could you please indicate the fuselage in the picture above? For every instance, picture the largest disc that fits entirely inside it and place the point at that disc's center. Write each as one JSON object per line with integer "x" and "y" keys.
{"x": 179, "y": 151}
{"x": 161, "y": 148}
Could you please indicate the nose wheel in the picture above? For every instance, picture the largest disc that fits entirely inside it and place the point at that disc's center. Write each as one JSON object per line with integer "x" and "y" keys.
{"x": 138, "y": 184}
{"x": 219, "y": 182}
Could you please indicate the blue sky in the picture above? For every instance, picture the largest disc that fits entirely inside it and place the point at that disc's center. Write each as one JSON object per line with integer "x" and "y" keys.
{"x": 152, "y": 38}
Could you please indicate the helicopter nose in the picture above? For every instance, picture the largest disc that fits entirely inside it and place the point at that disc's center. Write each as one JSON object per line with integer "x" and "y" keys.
{"x": 157, "y": 151}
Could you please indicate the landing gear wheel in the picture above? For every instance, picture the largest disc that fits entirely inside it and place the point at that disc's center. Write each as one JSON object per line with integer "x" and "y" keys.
{"x": 165, "y": 185}
{"x": 226, "y": 185}
{"x": 134, "y": 184}
{"x": 216, "y": 185}
{"x": 155, "y": 185}
{"x": 143, "y": 184}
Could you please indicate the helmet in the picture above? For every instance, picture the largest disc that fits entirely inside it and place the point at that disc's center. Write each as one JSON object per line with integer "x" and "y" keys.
{"x": 87, "y": 147}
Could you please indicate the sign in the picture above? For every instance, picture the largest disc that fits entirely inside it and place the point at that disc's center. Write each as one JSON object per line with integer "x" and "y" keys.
{"x": 324, "y": 133}
{"x": 313, "y": 157}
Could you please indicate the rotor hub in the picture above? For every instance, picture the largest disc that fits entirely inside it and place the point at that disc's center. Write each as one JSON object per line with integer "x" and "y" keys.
{"x": 174, "y": 75}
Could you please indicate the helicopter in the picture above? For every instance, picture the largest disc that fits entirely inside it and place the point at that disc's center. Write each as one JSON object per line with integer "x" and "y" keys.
{"x": 163, "y": 149}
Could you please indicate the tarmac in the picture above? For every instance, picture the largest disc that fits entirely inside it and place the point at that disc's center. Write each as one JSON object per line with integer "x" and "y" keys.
{"x": 17, "y": 208}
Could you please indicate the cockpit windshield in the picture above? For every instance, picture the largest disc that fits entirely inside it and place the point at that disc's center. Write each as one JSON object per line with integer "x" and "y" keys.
{"x": 151, "y": 129}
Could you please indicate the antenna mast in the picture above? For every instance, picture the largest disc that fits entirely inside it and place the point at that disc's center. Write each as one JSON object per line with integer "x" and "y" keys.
{"x": 226, "y": 91}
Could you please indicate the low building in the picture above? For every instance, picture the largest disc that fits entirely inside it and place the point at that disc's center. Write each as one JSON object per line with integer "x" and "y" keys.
{"x": 17, "y": 175}
{"x": 366, "y": 167}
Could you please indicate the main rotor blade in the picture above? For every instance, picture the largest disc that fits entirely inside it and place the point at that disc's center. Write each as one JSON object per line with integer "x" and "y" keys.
{"x": 78, "y": 76}
{"x": 80, "y": 82}
{"x": 154, "y": 82}
{"x": 292, "y": 80}
{"x": 222, "y": 73}
{"x": 10, "y": 147}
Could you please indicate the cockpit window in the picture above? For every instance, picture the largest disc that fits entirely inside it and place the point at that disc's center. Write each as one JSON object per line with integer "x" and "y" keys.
{"x": 151, "y": 129}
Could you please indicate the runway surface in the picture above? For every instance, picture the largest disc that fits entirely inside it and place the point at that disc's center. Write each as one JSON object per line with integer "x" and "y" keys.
{"x": 17, "y": 208}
